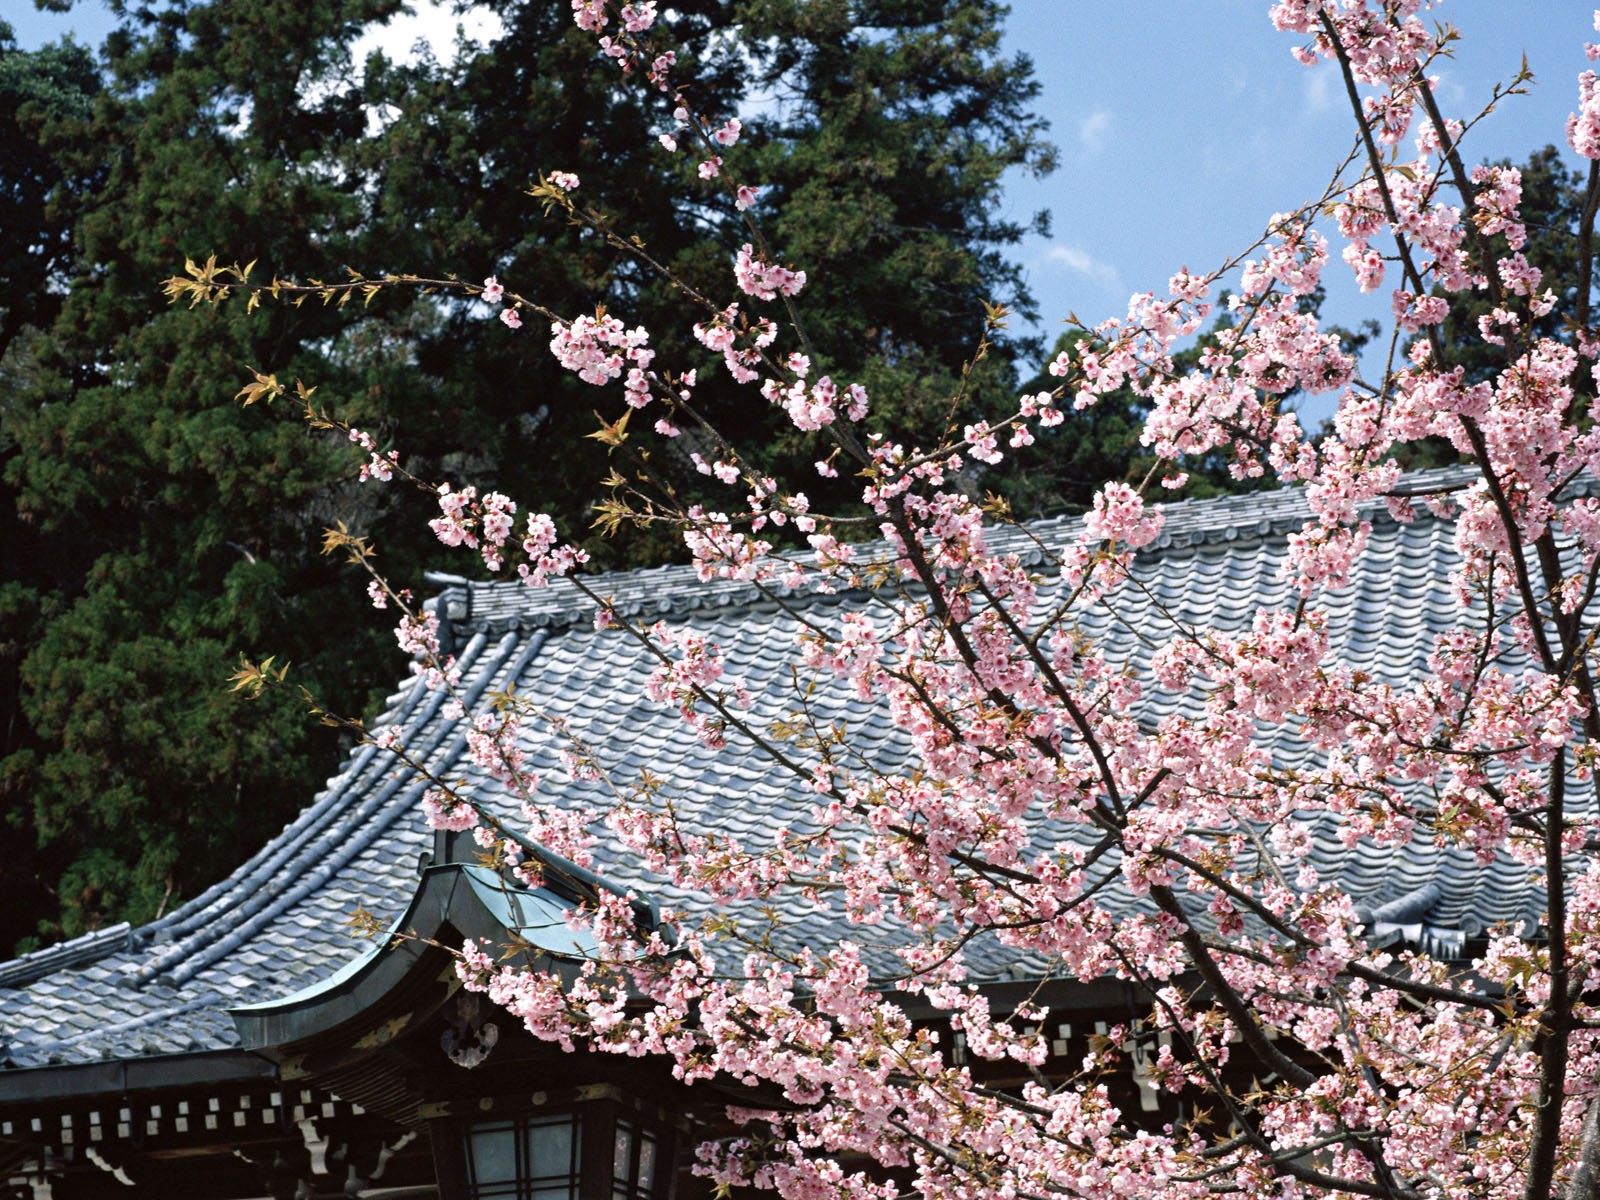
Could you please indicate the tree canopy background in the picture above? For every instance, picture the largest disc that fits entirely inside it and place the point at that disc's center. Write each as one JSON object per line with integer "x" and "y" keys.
{"x": 155, "y": 529}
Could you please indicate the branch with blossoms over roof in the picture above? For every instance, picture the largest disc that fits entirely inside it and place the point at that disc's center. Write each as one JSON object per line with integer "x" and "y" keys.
{"x": 1093, "y": 813}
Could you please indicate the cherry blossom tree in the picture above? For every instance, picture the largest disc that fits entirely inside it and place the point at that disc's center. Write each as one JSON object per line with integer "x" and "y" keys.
{"x": 1370, "y": 1072}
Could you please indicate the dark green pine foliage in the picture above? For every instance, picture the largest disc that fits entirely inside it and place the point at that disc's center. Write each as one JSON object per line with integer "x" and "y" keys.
{"x": 1554, "y": 196}
{"x": 461, "y": 144}
{"x": 40, "y": 92}
{"x": 879, "y": 133}
{"x": 888, "y": 128}
{"x": 176, "y": 529}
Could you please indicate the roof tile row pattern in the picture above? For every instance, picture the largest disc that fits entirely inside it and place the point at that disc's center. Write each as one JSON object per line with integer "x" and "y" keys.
{"x": 279, "y": 923}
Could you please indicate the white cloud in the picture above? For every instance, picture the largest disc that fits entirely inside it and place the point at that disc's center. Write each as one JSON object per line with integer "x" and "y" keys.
{"x": 431, "y": 24}
{"x": 1453, "y": 95}
{"x": 1094, "y": 130}
{"x": 1319, "y": 89}
{"x": 1081, "y": 262}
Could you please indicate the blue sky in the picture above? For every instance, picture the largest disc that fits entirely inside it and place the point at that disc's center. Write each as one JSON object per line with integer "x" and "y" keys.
{"x": 1184, "y": 125}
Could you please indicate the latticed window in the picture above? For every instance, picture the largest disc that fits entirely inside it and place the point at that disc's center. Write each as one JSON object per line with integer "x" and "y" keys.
{"x": 530, "y": 1158}
{"x": 633, "y": 1163}
{"x": 592, "y": 1147}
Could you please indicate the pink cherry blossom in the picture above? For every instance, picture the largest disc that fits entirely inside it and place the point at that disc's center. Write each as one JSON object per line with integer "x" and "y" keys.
{"x": 765, "y": 281}
{"x": 590, "y": 15}
{"x": 639, "y": 15}
{"x": 972, "y": 773}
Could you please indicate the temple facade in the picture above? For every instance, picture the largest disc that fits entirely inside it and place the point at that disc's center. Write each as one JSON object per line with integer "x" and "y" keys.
{"x": 253, "y": 1043}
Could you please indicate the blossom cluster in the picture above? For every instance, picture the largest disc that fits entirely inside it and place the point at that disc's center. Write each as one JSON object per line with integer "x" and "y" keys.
{"x": 979, "y": 776}
{"x": 599, "y": 349}
{"x": 763, "y": 280}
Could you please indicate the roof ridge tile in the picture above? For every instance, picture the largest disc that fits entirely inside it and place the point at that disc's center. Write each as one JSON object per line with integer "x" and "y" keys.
{"x": 493, "y": 606}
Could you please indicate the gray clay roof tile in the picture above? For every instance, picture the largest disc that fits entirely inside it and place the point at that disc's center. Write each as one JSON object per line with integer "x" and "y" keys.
{"x": 276, "y": 925}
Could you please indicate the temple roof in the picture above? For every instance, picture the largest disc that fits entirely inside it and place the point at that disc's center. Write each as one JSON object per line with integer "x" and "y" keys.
{"x": 278, "y": 924}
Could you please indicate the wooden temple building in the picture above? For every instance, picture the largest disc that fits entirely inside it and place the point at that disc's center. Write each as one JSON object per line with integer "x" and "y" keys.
{"x": 249, "y": 1045}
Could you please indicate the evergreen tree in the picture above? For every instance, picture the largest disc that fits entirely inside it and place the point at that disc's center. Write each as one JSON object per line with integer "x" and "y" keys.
{"x": 173, "y": 528}
{"x": 879, "y": 132}
{"x": 1555, "y": 201}
{"x": 177, "y": 529}
{"x": 39, "y": 92}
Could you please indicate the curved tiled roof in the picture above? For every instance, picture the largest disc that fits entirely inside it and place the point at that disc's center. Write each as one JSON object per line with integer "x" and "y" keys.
{"x": 278, "y": 924}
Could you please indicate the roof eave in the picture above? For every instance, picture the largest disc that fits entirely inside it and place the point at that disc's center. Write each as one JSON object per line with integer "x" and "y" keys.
{"x": 449, "y": 905}
{"x": 120, "y": 1077}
